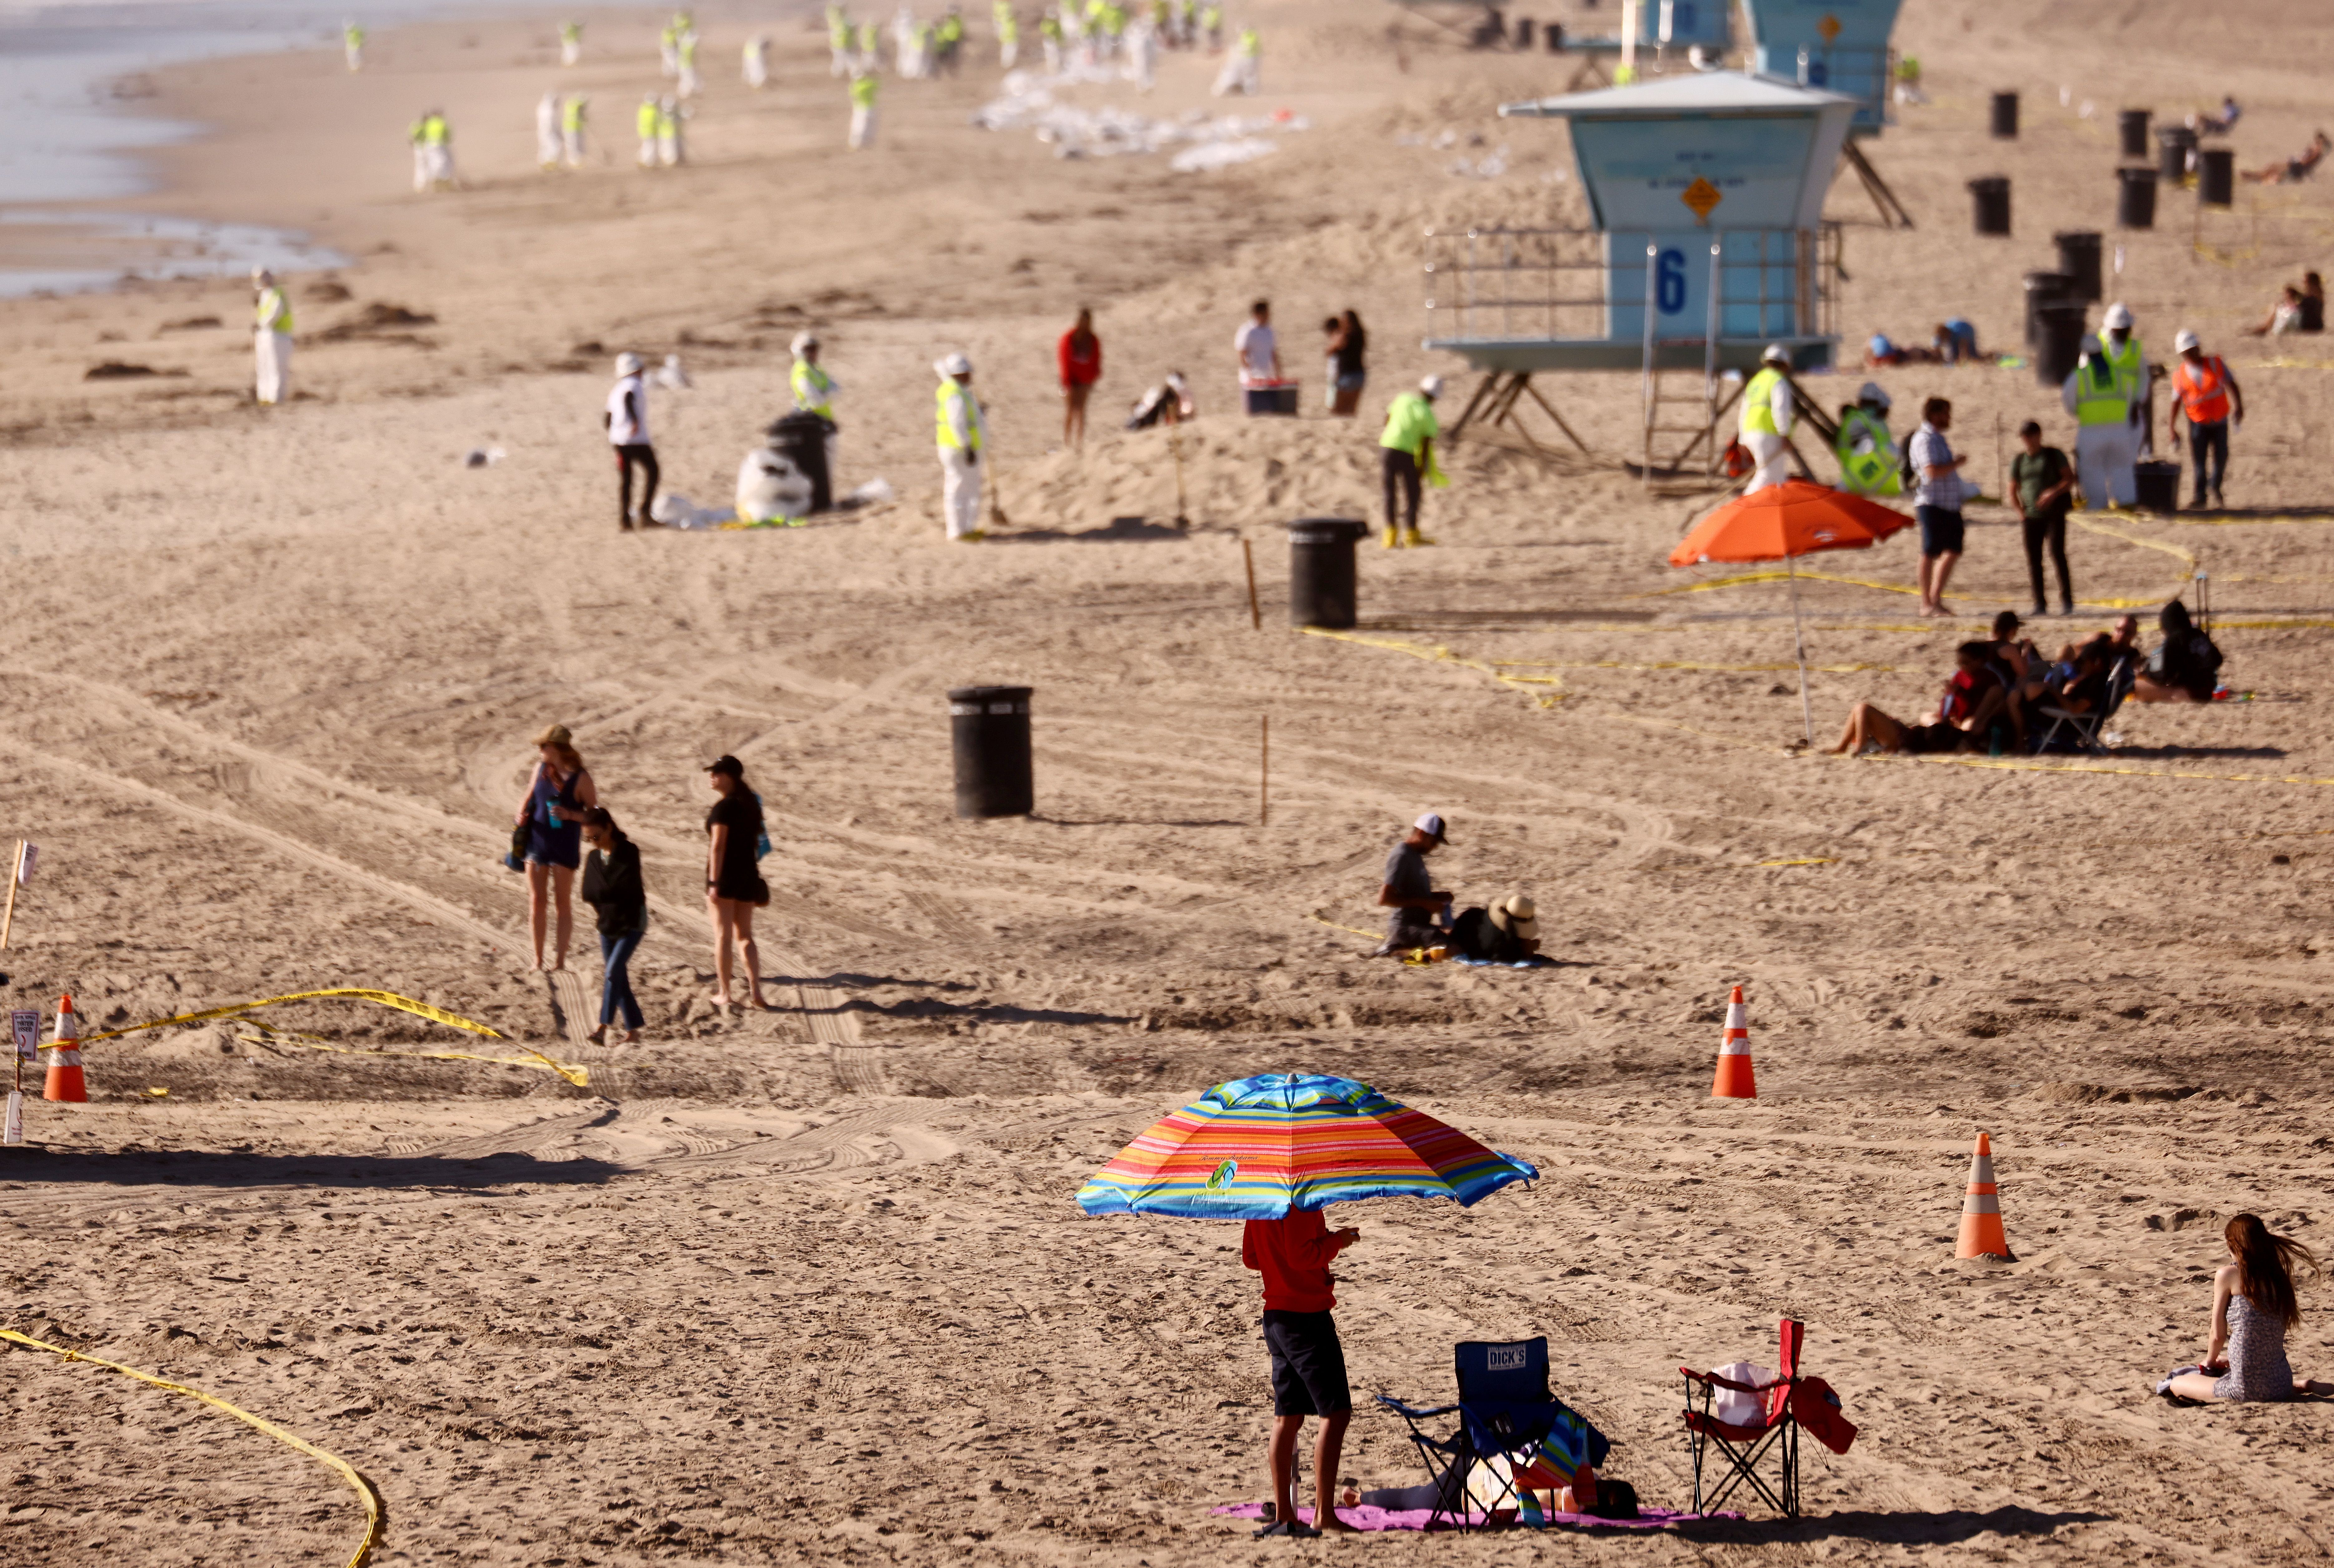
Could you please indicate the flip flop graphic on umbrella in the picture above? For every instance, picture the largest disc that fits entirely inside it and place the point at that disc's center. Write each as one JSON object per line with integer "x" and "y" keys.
{"x": 1259, "y": 1148}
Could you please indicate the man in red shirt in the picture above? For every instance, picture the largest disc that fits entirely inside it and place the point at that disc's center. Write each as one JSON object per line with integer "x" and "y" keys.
{"x": 1308, "y": 1364}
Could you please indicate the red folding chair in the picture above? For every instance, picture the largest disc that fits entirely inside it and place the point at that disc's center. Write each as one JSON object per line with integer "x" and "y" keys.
{"x": 1741, "y": 1446}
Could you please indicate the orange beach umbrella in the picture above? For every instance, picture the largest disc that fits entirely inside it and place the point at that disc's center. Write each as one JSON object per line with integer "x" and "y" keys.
{"x": 1782, "y": 522}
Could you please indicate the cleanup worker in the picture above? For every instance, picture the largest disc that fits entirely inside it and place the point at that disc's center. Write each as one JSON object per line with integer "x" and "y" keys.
{"x": 1008, "y": 36}
{"x": 645, "y": 121}
{"x": 949, "y": 42}
{"x": 439, "y": 138}
{"x": 668, "y": 48}
{"x": 670, "y": 150}
{"x": 1212, "y": 22}
{"x": 813, "y": 391}
{"x": 571, "y": 117}
{"x": 1768, "y": 410}
{"x": 962, "y": 437}
{"x": 352, "y": 39}
{"x": 571, "y": 43}
{"x": 1869, "y": 462}
{"x": 418, "y": 134}
{"x": 686, "y": 77}
{"x": 862, "y": 110}
{"x": 871, "y": 46}
{"x": 838, "y": 41}
{"x": 548, "y": 145}
{"x": 1407, "y": 457}
{"x": 1243, "y": 72}
{"x": 1050, "y": 38}
{"x": 2106, "y": 448}
{"x": 2129, "y": 361}
{"x": 2209, "y": 398}
{"x": 270, "y": 339}
{"x": 754, "y": 61}
{"x": 627, "y": 422}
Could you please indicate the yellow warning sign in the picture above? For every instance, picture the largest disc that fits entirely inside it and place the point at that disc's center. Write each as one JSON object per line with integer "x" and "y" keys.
{"x": 1829, "y": 27}
{"x": 1701, "y": 196}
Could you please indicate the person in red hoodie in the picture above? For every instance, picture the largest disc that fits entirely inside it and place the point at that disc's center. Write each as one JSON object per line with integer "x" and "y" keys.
{"x": 1308, "y": 1365}
{"x": 1080, "y": 353}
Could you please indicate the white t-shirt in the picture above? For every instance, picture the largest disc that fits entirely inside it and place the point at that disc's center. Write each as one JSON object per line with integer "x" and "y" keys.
{"x": 1257, "y": 347}
{"x": 628, "y": 413}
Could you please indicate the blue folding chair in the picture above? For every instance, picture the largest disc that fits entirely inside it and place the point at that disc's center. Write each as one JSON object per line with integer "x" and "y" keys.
{"x": 1506, "y": 1411}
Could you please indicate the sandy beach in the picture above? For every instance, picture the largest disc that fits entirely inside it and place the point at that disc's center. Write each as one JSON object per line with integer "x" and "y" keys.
{"x": 809, "y": 1286}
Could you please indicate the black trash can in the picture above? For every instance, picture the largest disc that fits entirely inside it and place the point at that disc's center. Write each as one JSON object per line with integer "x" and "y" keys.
{"x": 2216, "y": 177}
{"x": 2135, "y": 198}
{"x": 2044, "y": 289}
{"x": 1993, "y": 194}
{"x": 2156, "y": 487}
{"x": 2079, "y": 258}
{"x": 2005, "y": 117}
{"x": 1523, "y": 33}
{"x": 2174, "y": 143}
{"x": 1553, "y": 37}
{"x": 2059, "y": 341}
{"x": 1323, "y": 588}
{"x": 2131, "y": 127}
{"x": 989, "y": 726}
{"x": 801, "y": 437}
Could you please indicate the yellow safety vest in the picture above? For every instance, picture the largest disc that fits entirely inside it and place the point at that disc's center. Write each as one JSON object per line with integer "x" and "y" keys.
{"x": 645, "y": 118}
{"x": 813, "y": 389}
{"x": 275, "y": 312}
{"x": 2130, "y": 363}
{"x": 2100, "y": 398}
{"x": 953, "y": 399}
{"x": 1250, "y": 43}
{"x": 1873, "y": 472}
{"x": 434, "y": 130}
{"x": 572, "y": 116}
{"x": 863, "y": 91}
{"x": 838, "y": 28}
{"x": 1758, "y": 404}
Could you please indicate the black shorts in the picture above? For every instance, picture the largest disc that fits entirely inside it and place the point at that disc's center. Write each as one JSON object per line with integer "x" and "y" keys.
{"x": 1308, "y": 1364}
{"x": 1922, "y": 739}
{"x": 1940, "y": 530}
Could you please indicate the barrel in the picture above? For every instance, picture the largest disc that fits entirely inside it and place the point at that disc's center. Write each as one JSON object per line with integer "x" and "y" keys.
{"x": 1323, "y": 588}
{"x": 2005, "y": 117}
{"x": 1523, "y": 33}
{"x": 2059, "y": 341}
{"x": 2045, "y": 289}
{"x": 2156, "y": 487}
{"x": 801, "y": 435}
{"x": 2174, "y": 143}
{"x": 2216, "y": 177}
{"x": 1993, "y": 194}
{"x": 989, "y": 726}
{"x": 2079, "y": 258}
{"x": 2135, "y": 197}
{"x": 2131, "y": 130}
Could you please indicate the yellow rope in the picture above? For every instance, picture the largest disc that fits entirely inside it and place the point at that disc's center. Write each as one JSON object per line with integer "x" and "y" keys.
{"x": 385, "y": 998}
{"x": 1441, "y": 655}
{"x": 2094, "y": 526}
{"x": 576, "y": 1072}
{"x": 348, "y": 1472}
{"x": 1740, "y": 578}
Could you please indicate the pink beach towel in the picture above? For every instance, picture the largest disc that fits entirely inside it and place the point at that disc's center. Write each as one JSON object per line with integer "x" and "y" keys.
{"x": 1368, "y": 1517}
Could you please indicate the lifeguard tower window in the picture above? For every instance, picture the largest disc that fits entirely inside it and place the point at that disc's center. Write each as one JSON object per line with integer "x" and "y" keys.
{"x": 1838, "y": 45}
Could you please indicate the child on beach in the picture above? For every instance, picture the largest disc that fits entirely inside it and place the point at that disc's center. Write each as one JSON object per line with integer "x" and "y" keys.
{"x": 1308, "y": 1364}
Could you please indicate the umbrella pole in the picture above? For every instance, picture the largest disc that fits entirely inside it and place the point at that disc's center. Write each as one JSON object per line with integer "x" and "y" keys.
{"x": 1800, "y": 642}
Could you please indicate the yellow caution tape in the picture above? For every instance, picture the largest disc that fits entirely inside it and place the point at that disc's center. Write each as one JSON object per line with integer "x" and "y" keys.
{"x": 1830, "y": 861}
{"x": 1742, "y": 577}
{"x": 2281, "y": 521}
{"x": 2094, "y": 526}
{"x": 1441, "y": 656}
{"x": 1677, "y": 664}
{"x": 576, "y": 1072}
{"x": 1332, "y": 925}
{"x": 385, "y": 998}
{"x": 348, "y": 1472}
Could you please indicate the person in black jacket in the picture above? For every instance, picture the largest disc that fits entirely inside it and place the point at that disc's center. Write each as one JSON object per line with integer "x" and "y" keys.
{"x": 613, "y": 886}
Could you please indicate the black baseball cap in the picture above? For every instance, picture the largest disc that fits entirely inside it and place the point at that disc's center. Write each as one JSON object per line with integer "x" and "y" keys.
{"x": 728, "y": 764}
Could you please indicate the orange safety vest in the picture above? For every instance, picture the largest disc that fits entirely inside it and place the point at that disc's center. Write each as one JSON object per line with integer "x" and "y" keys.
{"x": 2204, "y": 389}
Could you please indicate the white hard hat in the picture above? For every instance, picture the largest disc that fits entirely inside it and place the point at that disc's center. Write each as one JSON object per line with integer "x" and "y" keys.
{"x": 2091, "y": 344}
{"x": 2118, "y": 315}
{"x": 1870, "y": 392}
{"x": 2185, "y": 342}
{"x": 628, "y": 364}
{"x": 1432, "y": 386}
{"x": 953, "y": 365}
{"x": 803, "y": 340}
{"x": 1776, "y": 354}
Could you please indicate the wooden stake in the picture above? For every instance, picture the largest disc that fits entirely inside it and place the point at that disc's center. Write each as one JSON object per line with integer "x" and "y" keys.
{"x": 15, "y": 876}
{"x": 1255, "y": 615}
{"x": 1264, "y": 775}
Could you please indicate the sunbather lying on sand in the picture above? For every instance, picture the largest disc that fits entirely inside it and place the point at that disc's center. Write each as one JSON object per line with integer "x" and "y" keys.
{"x": 1973, "y": 698}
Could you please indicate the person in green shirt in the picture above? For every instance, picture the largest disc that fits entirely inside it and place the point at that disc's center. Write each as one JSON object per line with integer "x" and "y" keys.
{"x": 2042, "y": 483}
{"x": 1407, "y": 452}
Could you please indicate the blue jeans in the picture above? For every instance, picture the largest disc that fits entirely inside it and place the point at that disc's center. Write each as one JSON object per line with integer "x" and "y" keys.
{"x": 615, "y": 952}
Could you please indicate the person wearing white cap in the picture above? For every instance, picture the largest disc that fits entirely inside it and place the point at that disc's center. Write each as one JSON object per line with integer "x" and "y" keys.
{"x": 1406, "y": 459}
{"x": 1420, "y": 915}
{"x": 961, "y": 436}
{"x": 2129, "y": 361}
{"x": 2207, "y": 395}
{"x": 1768, "y": 410}
{"x": 1869, "y": 459}
{"x": 626, "y": 422}
{"x": 270, "y": 339}
{"x": 2106, "y": 445}
{"x": 814, "y": 391}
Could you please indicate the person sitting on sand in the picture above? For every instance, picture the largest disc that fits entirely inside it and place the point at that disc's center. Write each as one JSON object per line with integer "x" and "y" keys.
{"x": 1973, "y": 699}
{"x": 2285, "y": 316}
{"x": 2185, "y": 666}
{"x": 2220, "y": 121}
{"x": 2299, "y": 167}
{"x": 1421, "y": 915}
{"x": 2255, "y": 1303}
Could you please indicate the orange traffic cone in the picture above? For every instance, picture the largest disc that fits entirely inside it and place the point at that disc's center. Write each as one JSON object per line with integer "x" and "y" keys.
{"x": 1734, "y": 1080}
{"x": 1982, "y": 1209}
{"x": 65, "y": 1081}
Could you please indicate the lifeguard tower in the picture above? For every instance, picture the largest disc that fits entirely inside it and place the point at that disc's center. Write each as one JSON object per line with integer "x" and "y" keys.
{"x": 1841, "y": 46}
{"x": 1707, "y": 243}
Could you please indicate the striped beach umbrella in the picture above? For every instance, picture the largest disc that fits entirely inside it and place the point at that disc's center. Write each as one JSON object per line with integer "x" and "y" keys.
{"x": 1258, "y": 1148}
